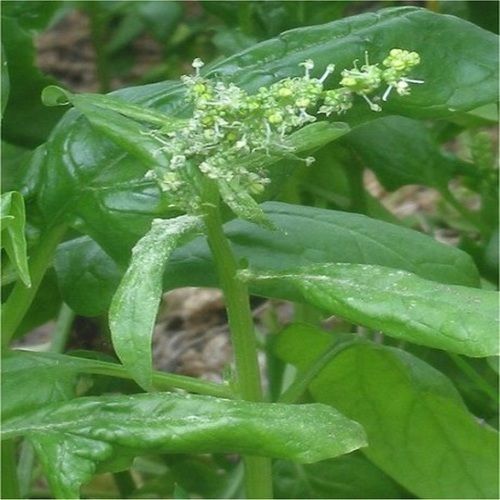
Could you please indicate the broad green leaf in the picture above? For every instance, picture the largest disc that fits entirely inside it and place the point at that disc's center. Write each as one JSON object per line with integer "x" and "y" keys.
{"x": 71, "y": 438}
{"x": 419, "y": 430}
{"x": 458, "y": 58}
{"x": 349, "y": 476}
{"x": 401, "y": 151}
{"x": 13, "y": 238}
{"x": 307, "y": 235}
{"x": 453, "y": 318}
{"x": 134, "y": 306}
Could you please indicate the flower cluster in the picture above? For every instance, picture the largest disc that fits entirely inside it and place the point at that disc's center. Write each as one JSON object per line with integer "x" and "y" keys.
{"x": 228, "y": 125}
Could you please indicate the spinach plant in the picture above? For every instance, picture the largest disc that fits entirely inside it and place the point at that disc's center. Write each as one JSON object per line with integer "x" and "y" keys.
{"x": 155, "y": 187}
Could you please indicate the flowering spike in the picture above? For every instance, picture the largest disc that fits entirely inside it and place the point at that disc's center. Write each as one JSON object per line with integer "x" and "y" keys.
{"x": 228, "y": 126}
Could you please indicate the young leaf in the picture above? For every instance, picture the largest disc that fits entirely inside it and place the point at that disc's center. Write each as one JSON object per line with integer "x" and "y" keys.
{"x": 454, "y": 318}
{"x": 56, "y": 96}
{"x": 419, "y": 430}
{"x": 13, "y": 239}
{"x": 133, "y": 309}
{"x": 71, "y": 438}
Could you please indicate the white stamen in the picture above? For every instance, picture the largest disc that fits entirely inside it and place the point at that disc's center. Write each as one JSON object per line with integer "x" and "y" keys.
{"x": 308, "y": 65}
{"x": 329, "y": 70}
{"x": 197, "y": 64}
{"x": 373, "y": 106}
{"x": 387, "y": 92}
{"x": 411, "y": 80}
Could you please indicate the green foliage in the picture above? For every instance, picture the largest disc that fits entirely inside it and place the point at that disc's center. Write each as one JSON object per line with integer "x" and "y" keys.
{"x": 455, "y": 318}
{"x": 100, "y": 210}
{"x": 421, "y": 433}
{"x": 70, "y": 438}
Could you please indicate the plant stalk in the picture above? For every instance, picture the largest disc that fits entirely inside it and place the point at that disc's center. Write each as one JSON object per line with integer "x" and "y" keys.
{"x": 21, "y": 297}
{"x": 258, "y": 478}
{"x": 163, "y": 381}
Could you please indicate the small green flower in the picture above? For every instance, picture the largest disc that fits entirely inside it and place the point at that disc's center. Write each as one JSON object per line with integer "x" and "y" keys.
{"x": 398, "y": 64}
{"x": 336, "y": 101}
{"x": 228, "y": 126}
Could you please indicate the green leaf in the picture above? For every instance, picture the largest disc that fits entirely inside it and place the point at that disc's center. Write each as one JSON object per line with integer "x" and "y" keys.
{"x": 87, "y": 276}
{"x": 71, "y": 438}
{"x": 419, "y": 430}
{"x": 43, "y": 381}
{"x": 401, "y": 151}
{"x": 135, "y": 305}
{"x": 307, "y": 235}
{"x": 13, "y": 238}
{"x": 454, "y": 318}
{"x": 458, "y": 65}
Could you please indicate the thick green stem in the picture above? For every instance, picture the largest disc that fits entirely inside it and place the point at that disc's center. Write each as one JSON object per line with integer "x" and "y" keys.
{"x": 258, "y": 478}
{"x": 21, "y": 297}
